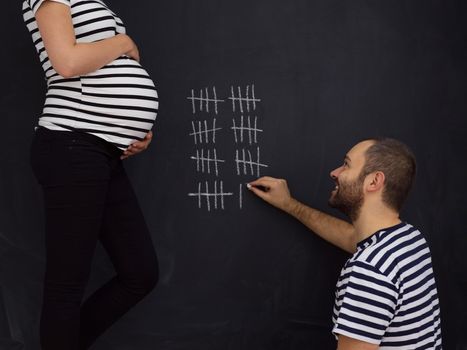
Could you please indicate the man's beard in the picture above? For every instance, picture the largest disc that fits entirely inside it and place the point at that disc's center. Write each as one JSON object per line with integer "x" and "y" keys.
{"x": 348, "y": 198}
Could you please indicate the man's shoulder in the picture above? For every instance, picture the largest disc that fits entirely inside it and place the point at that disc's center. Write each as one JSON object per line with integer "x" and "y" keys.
{"x": 390, "y": 247}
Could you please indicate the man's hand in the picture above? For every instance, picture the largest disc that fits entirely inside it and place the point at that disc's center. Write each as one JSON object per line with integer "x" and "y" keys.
{"x": 137, "y": 146}
{"x": 272, "y": 190}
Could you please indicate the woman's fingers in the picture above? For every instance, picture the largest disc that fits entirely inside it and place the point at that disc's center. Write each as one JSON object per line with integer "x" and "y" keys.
{"x": 137, "y": 146}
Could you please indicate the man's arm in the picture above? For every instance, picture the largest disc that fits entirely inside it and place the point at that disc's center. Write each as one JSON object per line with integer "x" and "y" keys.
{"x": 336, "y": 231}
{"x": 346, "y": 343}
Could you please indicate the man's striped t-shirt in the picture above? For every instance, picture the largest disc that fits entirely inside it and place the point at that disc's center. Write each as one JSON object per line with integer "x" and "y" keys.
{"x": 117, "y": 102}
{"x": 386, "y": 293}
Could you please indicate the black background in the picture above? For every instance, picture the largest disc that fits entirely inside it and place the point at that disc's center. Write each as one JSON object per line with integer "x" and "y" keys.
{"x": 329, "y": 73}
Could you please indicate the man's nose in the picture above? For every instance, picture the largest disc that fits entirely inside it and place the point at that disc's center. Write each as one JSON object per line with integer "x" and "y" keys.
{"x": 335, "y": 173}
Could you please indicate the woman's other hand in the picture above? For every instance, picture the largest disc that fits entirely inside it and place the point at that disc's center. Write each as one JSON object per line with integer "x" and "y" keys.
{"x": 133, "y": 52}
{"x": 137, "y": 146}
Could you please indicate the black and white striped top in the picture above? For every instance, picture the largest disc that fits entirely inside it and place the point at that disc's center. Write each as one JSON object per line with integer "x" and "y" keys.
{"x": 117, "y": 102}
{"x": 386, "y": 293}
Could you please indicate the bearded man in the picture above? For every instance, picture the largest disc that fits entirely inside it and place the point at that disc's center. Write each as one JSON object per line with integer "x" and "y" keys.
{"x": 386, "y": 296}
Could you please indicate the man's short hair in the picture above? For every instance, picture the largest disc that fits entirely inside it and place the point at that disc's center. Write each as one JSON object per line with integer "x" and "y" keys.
{"x": 397, "y": 162}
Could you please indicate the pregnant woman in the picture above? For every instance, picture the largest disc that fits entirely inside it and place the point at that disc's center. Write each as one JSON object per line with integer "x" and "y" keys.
{"x": 99, "y": 109}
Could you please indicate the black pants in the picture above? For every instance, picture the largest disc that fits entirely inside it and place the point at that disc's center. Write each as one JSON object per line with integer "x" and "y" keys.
{"x": 88, "y": 198}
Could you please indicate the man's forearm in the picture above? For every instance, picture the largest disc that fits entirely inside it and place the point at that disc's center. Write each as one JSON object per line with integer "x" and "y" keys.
{"x": 276, "y": 192}
{"x": 334, "y": 230}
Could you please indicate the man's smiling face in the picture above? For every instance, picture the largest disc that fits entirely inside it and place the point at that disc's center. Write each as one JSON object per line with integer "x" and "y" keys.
{"x": 348, "y": 195}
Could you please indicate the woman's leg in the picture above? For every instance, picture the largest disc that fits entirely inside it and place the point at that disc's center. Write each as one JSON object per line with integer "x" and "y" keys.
{"x": 88, "y": 197}
{"x": 126, "y": 238}
{"x": 75, "y": 184}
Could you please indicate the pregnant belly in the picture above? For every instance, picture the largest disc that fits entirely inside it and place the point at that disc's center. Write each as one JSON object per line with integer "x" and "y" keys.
{"x": 123, "y": 92}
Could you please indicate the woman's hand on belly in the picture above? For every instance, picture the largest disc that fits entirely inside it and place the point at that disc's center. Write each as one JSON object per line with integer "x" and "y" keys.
{"x": 133, "y": 52}
{"x": 138, "y": 146}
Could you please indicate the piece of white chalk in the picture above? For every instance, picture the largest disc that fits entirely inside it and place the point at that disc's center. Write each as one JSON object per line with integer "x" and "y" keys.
{"x": 248, "y": 186}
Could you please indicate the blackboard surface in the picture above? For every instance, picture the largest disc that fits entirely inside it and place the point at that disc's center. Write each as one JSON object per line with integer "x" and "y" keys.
{"x": 235, "y": 272}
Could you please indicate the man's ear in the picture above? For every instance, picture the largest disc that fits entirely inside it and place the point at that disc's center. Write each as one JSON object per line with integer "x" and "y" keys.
{"x": 375, "y": 181}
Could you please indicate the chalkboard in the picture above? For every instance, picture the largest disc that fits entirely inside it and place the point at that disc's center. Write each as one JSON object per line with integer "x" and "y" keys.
{"x": 252, "y": 88}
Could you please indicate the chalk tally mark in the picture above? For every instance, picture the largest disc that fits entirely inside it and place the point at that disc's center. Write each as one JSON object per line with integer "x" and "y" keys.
{"x": 203, "y": 100}
{"x": 201, "y": 131}
{"x": 251, "y": 129}
{"x": 211, "y": 194}
{"x": 245, "y": 100}
{"x": 245, "y": 163}
{"x": 205, "y": 159}
{"x": 217, "y": 195}
{"x": 240, "y": 196}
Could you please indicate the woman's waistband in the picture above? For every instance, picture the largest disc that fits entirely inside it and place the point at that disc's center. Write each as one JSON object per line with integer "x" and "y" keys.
{"x": 111, "y": 149}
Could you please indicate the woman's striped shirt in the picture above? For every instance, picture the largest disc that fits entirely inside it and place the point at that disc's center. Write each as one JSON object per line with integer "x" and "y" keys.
{"x": 117, "y": 102}
{"x": 386, "y": 293}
